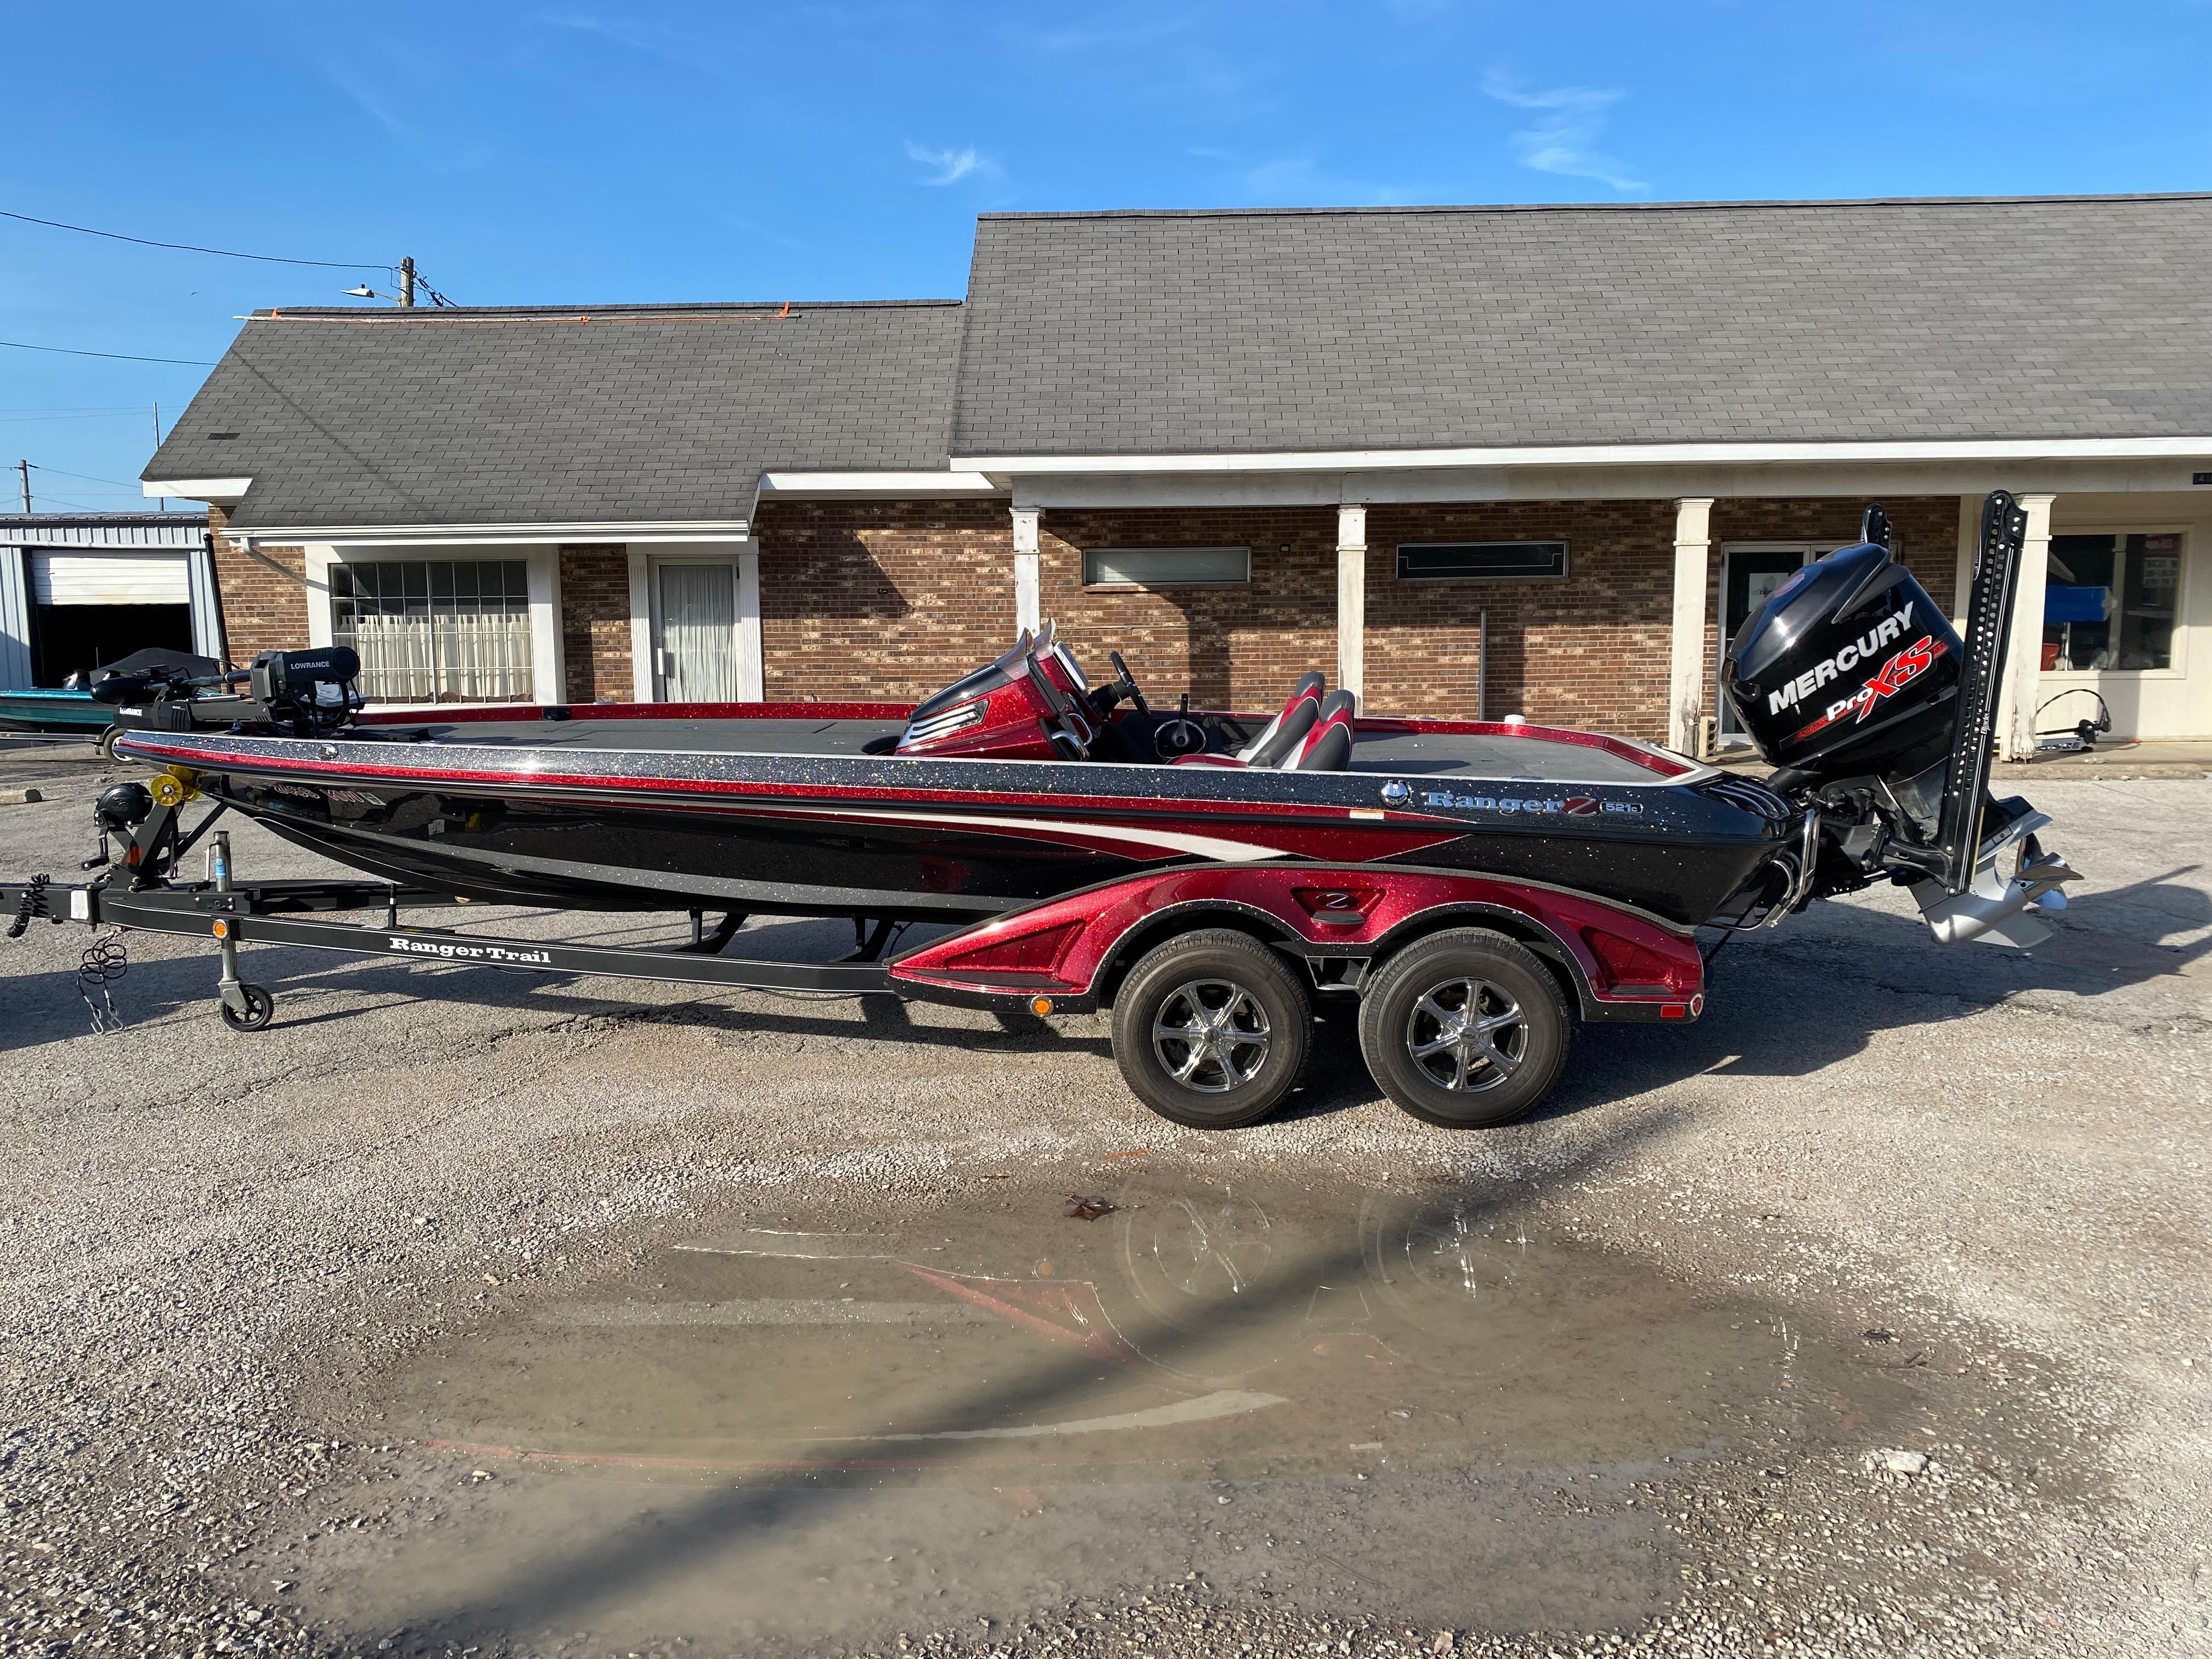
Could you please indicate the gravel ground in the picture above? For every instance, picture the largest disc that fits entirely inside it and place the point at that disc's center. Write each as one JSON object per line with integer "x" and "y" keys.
{"x": 207, "y": 1239}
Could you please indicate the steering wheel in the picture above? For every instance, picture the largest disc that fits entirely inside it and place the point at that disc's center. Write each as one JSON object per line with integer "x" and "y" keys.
{"x": 1129, "y": 684}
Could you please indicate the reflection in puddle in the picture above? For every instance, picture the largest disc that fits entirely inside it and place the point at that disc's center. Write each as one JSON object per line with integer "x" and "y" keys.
{"x": 767, "y": 1437}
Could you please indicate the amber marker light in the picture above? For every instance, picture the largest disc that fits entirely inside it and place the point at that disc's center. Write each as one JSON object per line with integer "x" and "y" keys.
{"x": 1040, "y": 1006}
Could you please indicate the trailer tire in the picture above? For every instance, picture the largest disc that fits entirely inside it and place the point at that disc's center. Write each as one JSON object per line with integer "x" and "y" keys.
{"x": 1248, "y": 1020}
{"x": 1465, "y": 1029}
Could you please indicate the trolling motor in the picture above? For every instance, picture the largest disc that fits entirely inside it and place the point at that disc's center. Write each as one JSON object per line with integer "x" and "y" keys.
{"x": 1880, "y": 720}
{"x": 299, "y": 694}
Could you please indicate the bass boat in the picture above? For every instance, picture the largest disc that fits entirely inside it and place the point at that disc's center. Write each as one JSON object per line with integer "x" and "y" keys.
{"x": 1061, "y": 840}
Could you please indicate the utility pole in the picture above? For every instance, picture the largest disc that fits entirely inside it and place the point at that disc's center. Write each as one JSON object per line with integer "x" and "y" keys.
{"x": 24, "y": 469}
{"x": 162, "y": 504}
{"x": 407, "y": 280}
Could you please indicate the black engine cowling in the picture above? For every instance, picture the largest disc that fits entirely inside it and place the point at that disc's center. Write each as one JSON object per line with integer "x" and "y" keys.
{"x": 1849, "y": 670}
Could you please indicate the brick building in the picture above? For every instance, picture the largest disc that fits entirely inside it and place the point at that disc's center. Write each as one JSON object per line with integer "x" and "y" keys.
{"x": 1494, "y": 460}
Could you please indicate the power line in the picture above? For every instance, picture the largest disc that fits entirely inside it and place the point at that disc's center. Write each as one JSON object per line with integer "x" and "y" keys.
{"x": 121, "y": 356}
{"x": 189, "y": 247}
{"x": 86, "y": 477}
{"x": 103, "y": 415}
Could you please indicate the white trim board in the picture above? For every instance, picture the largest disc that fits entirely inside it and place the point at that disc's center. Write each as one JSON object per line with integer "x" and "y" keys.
{"x": 878, "y": 483}
{"x": 1684, "y": 454}
{"x": 1870, "y": 479}
{"x": 492, "y": 535}
{"x": 195, "y": 489}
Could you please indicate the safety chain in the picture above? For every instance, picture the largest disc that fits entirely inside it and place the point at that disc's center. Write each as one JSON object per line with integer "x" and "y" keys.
{"x": 103, "y": 963}
{"x": 32, "y": 904}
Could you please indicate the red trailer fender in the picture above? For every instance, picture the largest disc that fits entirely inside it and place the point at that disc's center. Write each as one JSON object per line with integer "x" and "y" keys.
{"x": 1626, "y": 962}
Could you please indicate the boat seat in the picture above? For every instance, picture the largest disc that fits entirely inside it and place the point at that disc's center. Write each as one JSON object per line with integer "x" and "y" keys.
{"x": 1282, "y": 733}
{"x": 1326, "y": 745}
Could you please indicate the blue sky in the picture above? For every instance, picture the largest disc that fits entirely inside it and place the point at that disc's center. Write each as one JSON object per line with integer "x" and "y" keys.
{"x": 580, "y": 151}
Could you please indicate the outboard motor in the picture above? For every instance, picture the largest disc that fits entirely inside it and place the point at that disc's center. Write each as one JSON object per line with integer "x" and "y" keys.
{"x": 1880, "y": 717}
{"x": 1851, "y": 669}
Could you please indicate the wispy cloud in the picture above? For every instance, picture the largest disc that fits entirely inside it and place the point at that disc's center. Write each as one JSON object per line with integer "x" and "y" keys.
{"x": 953, "y": 165}
{"x": 427, "y": 151}
{"x": 687, "y": 52}
{"x": 762, "y": 231}
{"x": 1301, "y": 180}
{"x": 1109, "y": 39}
{"x": 1569, "y": 122}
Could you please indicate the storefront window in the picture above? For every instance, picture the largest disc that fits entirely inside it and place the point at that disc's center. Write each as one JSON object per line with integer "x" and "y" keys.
{"x": 2110, "y": 603}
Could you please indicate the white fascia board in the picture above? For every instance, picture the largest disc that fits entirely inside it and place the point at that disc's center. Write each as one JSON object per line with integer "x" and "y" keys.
{"x": 196, "y": 489}
{"x": 878, "y": 483}
{"x": 1382, "y": 460}
{"x": 494, "y": 535}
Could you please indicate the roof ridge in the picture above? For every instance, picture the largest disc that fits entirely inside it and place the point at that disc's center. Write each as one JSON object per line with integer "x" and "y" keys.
{"x": 1614, "y": 207}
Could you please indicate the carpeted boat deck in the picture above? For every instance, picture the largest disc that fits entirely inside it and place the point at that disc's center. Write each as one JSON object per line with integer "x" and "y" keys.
{"x": 1403, "y": 754}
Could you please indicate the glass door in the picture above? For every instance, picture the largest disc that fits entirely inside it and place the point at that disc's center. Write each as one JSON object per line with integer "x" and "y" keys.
{"x": 1749, "y": 576}
{"x": 695, "y": 648}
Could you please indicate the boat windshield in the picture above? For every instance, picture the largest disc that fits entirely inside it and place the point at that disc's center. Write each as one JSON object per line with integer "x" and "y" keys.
{"x": 988, "y": 678}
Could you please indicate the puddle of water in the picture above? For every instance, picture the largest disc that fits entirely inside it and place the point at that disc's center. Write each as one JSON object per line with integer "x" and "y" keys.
{"x": 786, "y": 1433}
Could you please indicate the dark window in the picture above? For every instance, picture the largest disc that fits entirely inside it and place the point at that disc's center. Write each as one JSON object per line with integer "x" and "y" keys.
{"x": 2110, "y": 603}
{"x": 1166, "y": 566}
{"x": 1481, "y": 562}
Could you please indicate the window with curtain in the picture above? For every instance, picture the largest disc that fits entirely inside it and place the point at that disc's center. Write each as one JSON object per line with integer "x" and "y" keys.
{"x": 435, "y": 630}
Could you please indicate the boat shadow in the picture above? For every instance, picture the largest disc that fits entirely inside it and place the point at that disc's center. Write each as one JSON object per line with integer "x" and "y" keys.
{"x": 1817, "y": 992}
{"x": 318, "y": 989}
{"x": 1790, "y": 1003}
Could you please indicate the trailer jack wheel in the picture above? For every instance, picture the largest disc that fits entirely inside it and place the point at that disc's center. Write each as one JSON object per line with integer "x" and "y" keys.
{"x": 260, "y": 1008}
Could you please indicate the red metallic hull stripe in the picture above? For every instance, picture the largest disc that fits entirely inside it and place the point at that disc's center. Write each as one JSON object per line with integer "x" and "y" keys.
{"x": 1102, "y": 805}
{"x": 644, "y": 711}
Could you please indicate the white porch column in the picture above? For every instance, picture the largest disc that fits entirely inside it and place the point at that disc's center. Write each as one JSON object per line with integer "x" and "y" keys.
{"x": 2024, "y": 656}
{"x": 1351, "y": 600}
{"x": 1026, "y": 603}
{"x": 752, "y": 659}
{"x": 1686, "y": 677}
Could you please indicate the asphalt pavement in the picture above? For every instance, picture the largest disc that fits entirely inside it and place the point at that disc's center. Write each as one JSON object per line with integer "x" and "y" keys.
{"x": 468, "y": 1309}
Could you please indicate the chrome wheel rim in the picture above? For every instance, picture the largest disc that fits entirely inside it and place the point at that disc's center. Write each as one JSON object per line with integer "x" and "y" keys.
{"x": 1467, "y": 1035}
{"x": 1211, "y": 1035}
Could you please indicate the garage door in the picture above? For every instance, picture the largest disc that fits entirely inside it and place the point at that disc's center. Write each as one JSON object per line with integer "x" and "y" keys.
{"x": 131, "y": 578}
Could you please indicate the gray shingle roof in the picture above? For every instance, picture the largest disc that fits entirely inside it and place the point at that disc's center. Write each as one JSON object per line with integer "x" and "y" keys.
{"x": 530, "y": 415}
{"x": 1137, "y": 333}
